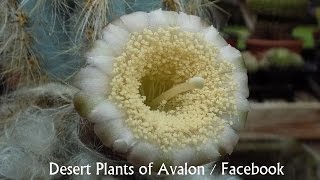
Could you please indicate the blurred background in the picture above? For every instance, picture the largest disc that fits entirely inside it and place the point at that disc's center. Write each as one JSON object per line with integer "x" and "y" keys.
{"x": 280, "y": 43}
{"x": 279, "y": 40}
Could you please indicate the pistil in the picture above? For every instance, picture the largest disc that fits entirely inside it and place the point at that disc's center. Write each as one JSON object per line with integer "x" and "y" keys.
{"x": 190, "y": 84}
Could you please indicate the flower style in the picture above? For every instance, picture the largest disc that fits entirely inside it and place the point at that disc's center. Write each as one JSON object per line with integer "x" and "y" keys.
{"x": 163, "y": 87}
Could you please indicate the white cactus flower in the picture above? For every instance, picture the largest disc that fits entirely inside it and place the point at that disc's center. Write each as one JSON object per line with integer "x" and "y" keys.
{"x": 163, "y": 87}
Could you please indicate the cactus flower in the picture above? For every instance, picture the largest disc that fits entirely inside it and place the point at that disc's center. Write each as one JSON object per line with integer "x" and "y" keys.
{"x": 163, "y": 87}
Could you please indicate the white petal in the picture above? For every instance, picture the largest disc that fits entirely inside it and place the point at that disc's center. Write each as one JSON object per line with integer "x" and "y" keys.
{"x": 208, "y": 153}
{"x": 125, "y": 143}
{"x": 211, "y": 35}
{"x": 121, "y": 146}
{"x": 220, "y": 42}
{"x": 143, "y": 153}
{"x": 136, "y": 21}
{"x": 101, "y": 48}
{"x": 230, "y": 53}
{"x": 104, "y": 112}
{"x": 242, "y": 104}
{"x": 116, "y": 36}
{"x": 197, "y": 23}
{"x": 189, "y": 22}
{"x": 157, "y": 18}
{"x": 119, "y": 23}
{"x": 228, "y": 139}
{"x": 84, "y": 103}
{"x": 92, "y": 81}
{"x": 182, "y": 156}
{"x": 233, "y": 56}
{"x": 238, "y": 122}
{"x": 241, "y": 78}
{"x": 171, "y": 17}
{"x": 116, "y": 31}
{"x": 103, "y": 63}
{"x": 109, "y": 132}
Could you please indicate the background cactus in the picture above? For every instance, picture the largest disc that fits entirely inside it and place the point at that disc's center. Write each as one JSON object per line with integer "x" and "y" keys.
{"x": 44, "y": 38}
{"x": 276, "y": 19}
{"x": 291, "y": 9}
{"x": 281, "y": 58}
{"x": 44, "y": 41}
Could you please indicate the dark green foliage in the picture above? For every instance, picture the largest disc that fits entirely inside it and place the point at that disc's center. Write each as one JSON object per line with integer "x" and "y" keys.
{"x": 290, "y": 9}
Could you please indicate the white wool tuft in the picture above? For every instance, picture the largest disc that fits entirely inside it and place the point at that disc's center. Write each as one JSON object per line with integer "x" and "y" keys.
{"x": 43, "y": 129}
{"x": 33, "y": 130}
{"x": 30, "y": 141}
{"x": 15, "y": 163}
{"x": 83, "y": 159}
{"x": 35, "y": 133}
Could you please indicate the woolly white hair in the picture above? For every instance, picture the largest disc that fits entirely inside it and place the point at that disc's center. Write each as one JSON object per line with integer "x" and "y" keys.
{"x": 39, "y": 126}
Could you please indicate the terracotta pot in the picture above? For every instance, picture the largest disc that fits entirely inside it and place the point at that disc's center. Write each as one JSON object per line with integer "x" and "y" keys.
{"x": 259, "y": 46}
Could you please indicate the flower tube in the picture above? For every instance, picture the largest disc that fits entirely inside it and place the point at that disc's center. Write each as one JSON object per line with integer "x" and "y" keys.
{"x": 163, "y": 87}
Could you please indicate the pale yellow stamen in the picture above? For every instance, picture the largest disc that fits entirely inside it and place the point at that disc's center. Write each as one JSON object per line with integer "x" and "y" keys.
{"x": 192, "y": 83}
{"x": 149, "y": 85}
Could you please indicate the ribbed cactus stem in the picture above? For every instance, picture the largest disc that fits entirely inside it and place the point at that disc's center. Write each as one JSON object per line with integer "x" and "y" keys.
{"x": 20, "y": 61}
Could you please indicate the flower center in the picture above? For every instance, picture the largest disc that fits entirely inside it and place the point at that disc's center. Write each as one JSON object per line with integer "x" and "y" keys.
{"x": 193, "y": 83}
{"x": 158, "y": 81}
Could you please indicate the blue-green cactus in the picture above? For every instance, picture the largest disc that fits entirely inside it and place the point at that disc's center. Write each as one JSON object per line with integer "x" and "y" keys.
{"x": 281, "y": 58}
{"x": 47, "y": 37}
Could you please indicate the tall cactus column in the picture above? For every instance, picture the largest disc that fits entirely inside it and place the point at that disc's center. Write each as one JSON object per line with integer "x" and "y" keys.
{"x": 19, "y": 61}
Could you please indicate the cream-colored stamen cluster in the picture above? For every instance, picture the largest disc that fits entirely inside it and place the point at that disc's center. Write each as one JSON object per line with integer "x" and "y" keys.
{"x": 154, "y": 61}
{"x": 163, "y": 87}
